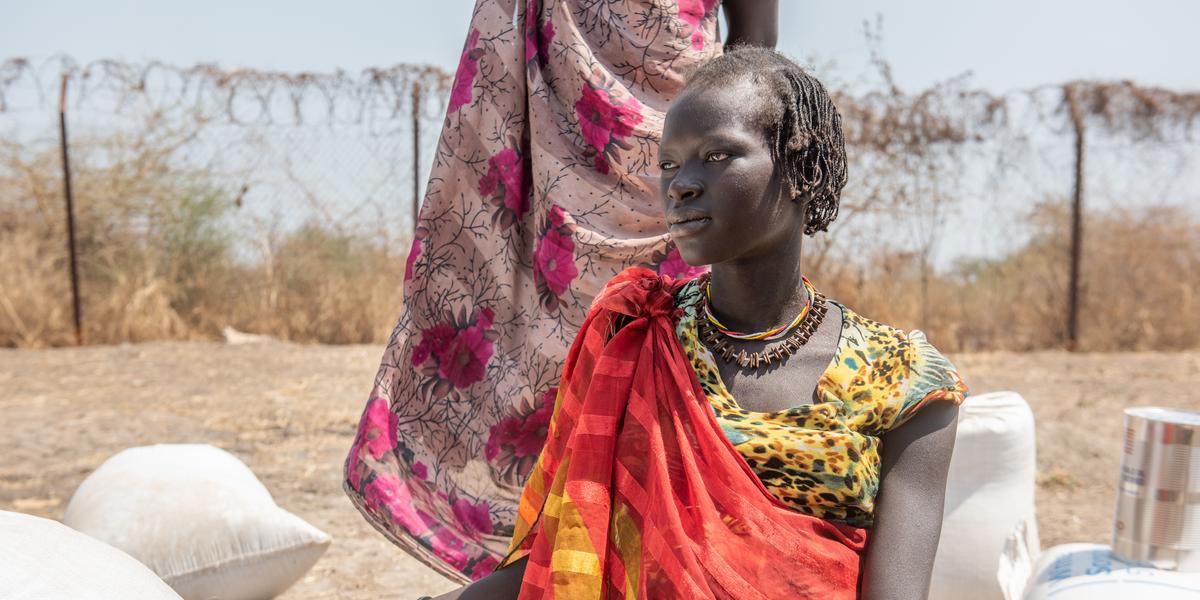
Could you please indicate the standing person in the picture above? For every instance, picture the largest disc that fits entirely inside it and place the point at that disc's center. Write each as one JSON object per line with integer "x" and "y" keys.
{"x": 543, "y": 188}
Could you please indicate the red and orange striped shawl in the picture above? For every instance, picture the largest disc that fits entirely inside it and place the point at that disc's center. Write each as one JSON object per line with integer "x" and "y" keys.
{"x": 638, "y": 493}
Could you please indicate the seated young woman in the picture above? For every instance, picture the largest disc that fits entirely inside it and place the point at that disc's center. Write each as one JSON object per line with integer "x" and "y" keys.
{"x": 807, "y": 459}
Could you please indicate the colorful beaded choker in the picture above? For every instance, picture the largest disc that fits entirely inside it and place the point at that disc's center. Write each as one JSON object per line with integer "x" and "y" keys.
{"x": 772, "y": 334}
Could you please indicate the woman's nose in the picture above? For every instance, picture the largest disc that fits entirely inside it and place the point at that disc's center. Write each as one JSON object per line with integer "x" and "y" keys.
{"x": 683, "y": 190}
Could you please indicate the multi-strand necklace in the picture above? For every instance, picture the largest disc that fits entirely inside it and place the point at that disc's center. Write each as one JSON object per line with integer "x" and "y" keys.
{"x": 788, "y": 337}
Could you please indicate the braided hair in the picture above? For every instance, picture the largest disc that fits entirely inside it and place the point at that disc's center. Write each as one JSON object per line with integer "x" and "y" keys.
{"x": 796, "y": 115}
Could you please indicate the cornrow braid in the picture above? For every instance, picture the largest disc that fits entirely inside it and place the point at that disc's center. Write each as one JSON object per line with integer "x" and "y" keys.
{"x": 801, "y": 125}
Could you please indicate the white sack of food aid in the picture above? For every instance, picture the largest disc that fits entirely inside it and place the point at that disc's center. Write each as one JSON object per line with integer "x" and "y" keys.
{"x": 42, "y": 559}
{"x": 989, "y": 498}
{"x": 1090, "y": 572}
{"x": 199, "y": 518}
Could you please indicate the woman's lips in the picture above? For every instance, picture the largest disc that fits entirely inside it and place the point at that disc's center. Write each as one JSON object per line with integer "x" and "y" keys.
{"x": 688, "y": 227}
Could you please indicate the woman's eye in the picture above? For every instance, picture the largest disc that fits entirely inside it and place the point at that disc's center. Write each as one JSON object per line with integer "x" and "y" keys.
{"x": 717, "y": 156}
{"x": 666, "y": 165}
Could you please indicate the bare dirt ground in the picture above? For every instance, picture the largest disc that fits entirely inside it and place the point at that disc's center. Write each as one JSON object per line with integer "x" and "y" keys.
{"x": 289, "y": 412}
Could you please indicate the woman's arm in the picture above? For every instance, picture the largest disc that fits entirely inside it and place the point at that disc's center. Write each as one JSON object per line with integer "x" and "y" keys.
{"x": 908, "y": 509}
{"x": 754, "y": 22}
{"x": 502, "y": 584}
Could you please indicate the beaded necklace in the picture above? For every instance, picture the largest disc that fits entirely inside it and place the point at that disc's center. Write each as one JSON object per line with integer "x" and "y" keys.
{"x": 794, "y": 337}
{"x": 772, "y": 334}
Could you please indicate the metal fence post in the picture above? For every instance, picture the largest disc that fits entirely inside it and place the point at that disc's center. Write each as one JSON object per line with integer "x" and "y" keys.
{"x": 66, "y": 164}
{"x": 416, "y": 166}
{"x": 1076, "y": 220}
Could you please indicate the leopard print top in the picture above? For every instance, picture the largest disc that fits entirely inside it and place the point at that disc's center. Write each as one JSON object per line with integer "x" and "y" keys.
{"x": 822, "y": 458}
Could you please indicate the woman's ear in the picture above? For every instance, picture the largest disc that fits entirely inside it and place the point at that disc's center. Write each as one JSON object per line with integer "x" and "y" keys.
{"x": 802, "y": 197}
{"x": 801, "y": 202}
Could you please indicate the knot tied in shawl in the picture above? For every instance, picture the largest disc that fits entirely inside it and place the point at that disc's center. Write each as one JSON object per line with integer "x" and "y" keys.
{"x": 639, "y": 293}
{"x": 639, "y": 494}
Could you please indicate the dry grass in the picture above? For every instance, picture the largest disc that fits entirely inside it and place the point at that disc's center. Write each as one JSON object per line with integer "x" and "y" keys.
{"x": 1140, "y": 287}
{"x": 165, "y": 254}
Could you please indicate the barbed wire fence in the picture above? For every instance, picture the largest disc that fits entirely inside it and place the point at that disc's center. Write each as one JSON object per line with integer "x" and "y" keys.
{"x": 304, "y": 187}
{"x": 951, "y": 161}
{"x": 362, "y": 124}
{"x": 338, "y": 152}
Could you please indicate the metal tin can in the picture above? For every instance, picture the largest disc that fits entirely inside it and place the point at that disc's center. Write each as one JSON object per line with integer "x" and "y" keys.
{"x": 1158, "y": 497}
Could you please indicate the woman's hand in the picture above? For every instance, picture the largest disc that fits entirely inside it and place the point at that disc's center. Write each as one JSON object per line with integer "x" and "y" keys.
{"x": 753, "y": 22}
{"x": 908, "y": 510}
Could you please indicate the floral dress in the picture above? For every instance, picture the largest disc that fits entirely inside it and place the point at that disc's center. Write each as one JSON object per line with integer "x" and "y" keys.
{"x": 544, "y": 186}
{"x": 822, "y": 459}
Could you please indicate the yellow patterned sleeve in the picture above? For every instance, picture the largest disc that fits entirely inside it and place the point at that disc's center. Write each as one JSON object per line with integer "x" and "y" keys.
{"x": 931, "y": 378}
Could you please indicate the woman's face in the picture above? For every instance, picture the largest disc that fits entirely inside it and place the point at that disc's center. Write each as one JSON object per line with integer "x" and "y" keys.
{"x": 721, "y": 195}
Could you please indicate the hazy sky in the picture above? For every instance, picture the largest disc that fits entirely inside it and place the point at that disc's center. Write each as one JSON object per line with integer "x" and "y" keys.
{"x": 1016, "y": 43}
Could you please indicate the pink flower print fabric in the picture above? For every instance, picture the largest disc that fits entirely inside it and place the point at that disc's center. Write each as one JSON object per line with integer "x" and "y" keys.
{"x": 506, "y": 188}
{"x": 454, "y": 353}
{"x": 537, "y": 37}
{"x": 544, "y": 186}
{"x": 515, "y": 442}
{"x": 605, "y": 122}
{"x": 464, "y": 78}
{"x": 693, "y": 12}
{"x": 671, "y": 263}
{"x": 554, "y": 258}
